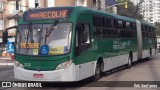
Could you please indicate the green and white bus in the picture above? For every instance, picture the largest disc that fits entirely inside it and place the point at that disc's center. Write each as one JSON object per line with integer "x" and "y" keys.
{"x": 74, "y": 43}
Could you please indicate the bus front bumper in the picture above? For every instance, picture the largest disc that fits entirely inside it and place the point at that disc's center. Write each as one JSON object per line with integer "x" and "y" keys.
{"x": 68, "y": 74}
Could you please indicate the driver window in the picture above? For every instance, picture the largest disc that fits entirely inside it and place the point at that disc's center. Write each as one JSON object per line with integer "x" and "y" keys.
{"x": 82, "y": 34}
{"x": 82, "y": 38}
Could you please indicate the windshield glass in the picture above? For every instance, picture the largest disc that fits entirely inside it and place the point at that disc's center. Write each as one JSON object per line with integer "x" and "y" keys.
{"x": 43, "y": 39}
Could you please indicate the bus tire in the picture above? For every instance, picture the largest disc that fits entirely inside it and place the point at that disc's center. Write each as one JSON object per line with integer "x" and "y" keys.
{"x": 98, "y": 72}
{"x": 150, "y": 54}
{"x": 129, "y": 64}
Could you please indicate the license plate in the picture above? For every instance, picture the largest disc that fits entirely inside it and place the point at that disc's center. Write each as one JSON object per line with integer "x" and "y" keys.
{"x": 38, "y": 75}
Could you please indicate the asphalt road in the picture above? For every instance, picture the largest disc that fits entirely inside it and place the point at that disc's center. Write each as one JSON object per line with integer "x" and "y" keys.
{"x": 6, "y": 65}
{"x": 140, "y": 71}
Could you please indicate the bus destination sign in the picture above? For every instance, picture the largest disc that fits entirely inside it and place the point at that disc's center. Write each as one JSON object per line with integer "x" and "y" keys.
{"x": 48, "y": 13}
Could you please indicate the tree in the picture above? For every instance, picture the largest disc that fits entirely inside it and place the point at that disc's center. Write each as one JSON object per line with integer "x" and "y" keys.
{"x": 157, "y": 25}
{"x": 132, "y": 11}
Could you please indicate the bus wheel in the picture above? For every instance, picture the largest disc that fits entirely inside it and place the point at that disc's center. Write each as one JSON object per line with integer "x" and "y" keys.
{"x": 129, "y": 64}
{"x": 98, "y": 72}
{"x": 150, "y": 54}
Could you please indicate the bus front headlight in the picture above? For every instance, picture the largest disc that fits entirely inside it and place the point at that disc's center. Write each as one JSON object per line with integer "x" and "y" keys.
{"x": 64, "y": 65}
{"x": 17, "y": 64}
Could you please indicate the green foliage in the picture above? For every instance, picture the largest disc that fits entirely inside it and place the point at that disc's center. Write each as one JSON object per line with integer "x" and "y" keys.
{"x": 157, "y": 25}
{"x": 132, "y": 11}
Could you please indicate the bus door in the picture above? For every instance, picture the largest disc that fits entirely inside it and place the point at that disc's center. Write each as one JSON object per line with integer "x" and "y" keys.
{"x": 83, "y": 51}
{"x": 82, "y": 38}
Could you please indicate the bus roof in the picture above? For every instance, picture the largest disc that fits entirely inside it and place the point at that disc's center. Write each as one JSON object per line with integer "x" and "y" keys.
{"x": 145, "y": 23}
{"x": 96, "y": 12}
{"x": 40, "y": 14}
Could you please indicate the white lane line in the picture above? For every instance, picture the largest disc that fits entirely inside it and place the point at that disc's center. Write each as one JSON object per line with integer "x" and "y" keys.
{"x": 7, "y": 64}
{"x": 5, "y": 58}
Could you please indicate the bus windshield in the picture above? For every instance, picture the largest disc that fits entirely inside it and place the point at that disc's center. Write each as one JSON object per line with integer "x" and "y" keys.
{"x": 43, "y": 39}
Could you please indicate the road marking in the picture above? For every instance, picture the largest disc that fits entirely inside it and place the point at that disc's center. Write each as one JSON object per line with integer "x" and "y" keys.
{"x": 7, "y": 64}
{"x": 6, "y": 58}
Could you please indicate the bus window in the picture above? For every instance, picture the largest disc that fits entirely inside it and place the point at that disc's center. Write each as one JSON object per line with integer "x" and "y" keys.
{"x": 82, "y": 37}
{"x": 143, "y": 31}
{"x": 110, "y": 23}
{"x": 120, "y": 24}
{"x": 98, "y": 33}
{"x": 98, "y": 21}
{"x": 128, "y": 25}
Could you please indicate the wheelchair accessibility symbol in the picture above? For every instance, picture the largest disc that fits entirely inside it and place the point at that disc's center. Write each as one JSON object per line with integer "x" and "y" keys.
{"x": 44, "y": 50}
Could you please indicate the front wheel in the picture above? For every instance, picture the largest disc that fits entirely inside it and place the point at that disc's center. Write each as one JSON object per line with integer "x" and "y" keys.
{"x": 98, "y": 72}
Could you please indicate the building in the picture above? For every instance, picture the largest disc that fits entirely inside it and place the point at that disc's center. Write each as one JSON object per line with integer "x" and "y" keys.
{"x": 150, "y": 9}
{"x": 93, "y": 4}
{"x": 110, "y": 6}
{"x": 135, "y": 2}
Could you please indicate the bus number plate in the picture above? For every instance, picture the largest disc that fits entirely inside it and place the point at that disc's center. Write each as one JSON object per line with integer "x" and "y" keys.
{"x": 38, "y": 75}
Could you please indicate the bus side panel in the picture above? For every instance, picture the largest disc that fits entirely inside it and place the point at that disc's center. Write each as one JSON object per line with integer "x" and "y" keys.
{"x": 139, "y": 39}
{"x": 116, "y": 61}
{"x": 85, "y": 61}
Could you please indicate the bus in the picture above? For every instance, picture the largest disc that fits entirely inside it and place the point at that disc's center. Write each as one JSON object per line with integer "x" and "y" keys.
{"x": 74, "y": 43}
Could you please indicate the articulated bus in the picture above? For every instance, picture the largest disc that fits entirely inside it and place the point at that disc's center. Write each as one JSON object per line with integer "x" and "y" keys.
{"x": 74, "y": 43}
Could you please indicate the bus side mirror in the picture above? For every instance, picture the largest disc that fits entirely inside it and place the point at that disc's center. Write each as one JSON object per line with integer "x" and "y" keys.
{"x": 5, "y": 37}
{"x": 5, "y": 34}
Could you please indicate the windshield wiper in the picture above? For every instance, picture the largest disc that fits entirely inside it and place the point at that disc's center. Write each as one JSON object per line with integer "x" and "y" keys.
{"x": 30, "y": 29}
{"x": 50, "y": 29}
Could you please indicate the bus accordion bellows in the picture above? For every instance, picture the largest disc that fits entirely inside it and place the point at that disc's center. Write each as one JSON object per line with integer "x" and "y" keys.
{"x": 74, "y": 43}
